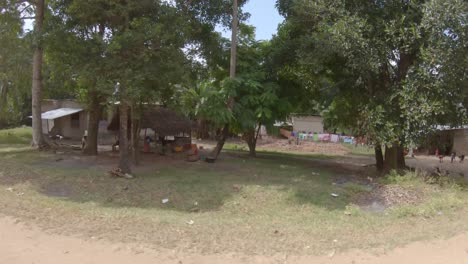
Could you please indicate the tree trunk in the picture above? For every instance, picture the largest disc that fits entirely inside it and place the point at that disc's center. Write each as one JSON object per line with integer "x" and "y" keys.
{"x": 379, "y": 159}
{"x": 38, "y": 139}
{"x": 233, "y": 62}
{"x": 202, "y": 129}
{"x": 232, "y": 74}
{"x": 221, "y": 140}
{"x": 135, "y": 135}
{"x": 252, "y": 138}
{"x": 401, "y": 164}
{"x": 94, "y": 115}
{"x": 252, "y": 149}
{"x": 124, "y": 161}
{"x": 232, "y": 69}
{"x": 391, "y": 158}
{"x": 251, "y": 142}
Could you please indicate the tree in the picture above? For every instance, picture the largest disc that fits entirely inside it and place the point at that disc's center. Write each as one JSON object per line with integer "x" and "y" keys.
{"x": 76, "y": 44}
{"x": 366, "y": 63}
{"x": 32, "y": 10}
{"x": 260, "y": 101}
{"x": 20, "y": 8}
{"x": 15, "y": 69}
{"x": 255, "y": 90}
{"x": 149, "y": 48}
{"x": 232, "y": 75}
{"x": 37, "y": 139}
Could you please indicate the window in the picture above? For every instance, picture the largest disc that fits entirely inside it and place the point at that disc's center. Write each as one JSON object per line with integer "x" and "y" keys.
{"x": 75, "y": 120}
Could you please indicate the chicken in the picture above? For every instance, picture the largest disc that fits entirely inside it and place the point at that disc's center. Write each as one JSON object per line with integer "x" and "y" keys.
{"x": 454, "y": 155}
{"x": 441, "y": 157}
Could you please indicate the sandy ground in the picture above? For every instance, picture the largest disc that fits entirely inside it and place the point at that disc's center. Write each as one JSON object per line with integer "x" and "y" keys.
{"x": 21, "y": 244}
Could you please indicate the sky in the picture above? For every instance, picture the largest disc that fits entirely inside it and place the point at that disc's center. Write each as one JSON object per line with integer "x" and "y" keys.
{"x": 264, "y": 16}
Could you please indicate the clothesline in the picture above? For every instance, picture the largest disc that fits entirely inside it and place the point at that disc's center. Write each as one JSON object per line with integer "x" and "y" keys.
{"x": 328, "y": 138}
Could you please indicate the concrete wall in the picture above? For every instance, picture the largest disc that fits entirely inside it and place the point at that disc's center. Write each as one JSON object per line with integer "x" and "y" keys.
{"x": 47, "y": 125}
{"x": 307, "y": 123}
{"x": 73, "y": 132}
{"x": 460, "y": 141}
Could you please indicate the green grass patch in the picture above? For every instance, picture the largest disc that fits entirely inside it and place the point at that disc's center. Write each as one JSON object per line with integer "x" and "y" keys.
{"x": 16, "y": 136}
{"x": 234, "y": 146}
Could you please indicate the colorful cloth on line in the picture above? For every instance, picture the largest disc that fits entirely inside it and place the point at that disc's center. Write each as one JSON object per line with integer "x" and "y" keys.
{"x": 334, "y": 138}
{"x": 315, "y": 137}
{"x": 324, "y": 137}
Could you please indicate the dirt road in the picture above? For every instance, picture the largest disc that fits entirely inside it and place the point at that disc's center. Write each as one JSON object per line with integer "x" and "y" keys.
{"x": 22, "y": 244}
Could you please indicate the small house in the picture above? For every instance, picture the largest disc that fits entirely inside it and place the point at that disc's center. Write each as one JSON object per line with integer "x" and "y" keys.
{"x": 460, "y": 141}
{"x": 448, "y": 139}
{"x": 161, "y": 122}
{"x": 307, "y": 123}
{"x": 66, "y": 118}
{"x": 69, "y": 119}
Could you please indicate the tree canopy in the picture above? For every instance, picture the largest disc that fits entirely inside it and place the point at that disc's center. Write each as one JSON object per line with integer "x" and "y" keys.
{"x": 390, "y": 70}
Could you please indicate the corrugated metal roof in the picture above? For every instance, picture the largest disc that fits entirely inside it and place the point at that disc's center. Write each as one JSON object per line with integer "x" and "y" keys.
{"x": 60, "y": 112}
{"x": 442, "y": 128}
{"x": 280, "y": 123}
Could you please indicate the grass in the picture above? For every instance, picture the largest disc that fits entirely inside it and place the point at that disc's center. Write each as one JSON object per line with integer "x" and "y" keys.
{"x": 360, "y": 150}
{"x": 16, "y": 136}
{"x": 244, "y": 148}
{"x": 443, "y": 195}
{"x": 354, "y": 150}
{"x": 268, "y": 205}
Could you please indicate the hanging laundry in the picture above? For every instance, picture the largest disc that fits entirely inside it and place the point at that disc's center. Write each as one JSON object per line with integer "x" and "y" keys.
{"x": 315, "y": 137}
{"x": 334, "y": 138}
{"x": 324, "y": 137}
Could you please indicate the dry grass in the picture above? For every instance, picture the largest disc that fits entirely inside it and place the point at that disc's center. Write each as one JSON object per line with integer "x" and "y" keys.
{"x": 272, "y": 204}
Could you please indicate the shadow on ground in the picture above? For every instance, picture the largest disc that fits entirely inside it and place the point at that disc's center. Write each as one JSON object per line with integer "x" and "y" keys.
{"x": 189, "y": 187}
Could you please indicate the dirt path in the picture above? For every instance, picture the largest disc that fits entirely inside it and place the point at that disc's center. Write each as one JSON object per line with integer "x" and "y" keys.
{"x": 21, "y": 244}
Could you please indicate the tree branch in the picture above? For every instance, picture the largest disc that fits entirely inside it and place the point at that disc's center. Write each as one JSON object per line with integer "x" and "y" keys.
{"x": 24, "y": 9}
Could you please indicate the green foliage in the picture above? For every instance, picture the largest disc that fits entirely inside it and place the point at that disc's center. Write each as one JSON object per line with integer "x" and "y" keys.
{"x": 15, "y": 67}
{"x": 150, "y": 48}
{"x": 390, "y": 70}
{"x": 207, "y": 101}
{"x": 256, "y": 93}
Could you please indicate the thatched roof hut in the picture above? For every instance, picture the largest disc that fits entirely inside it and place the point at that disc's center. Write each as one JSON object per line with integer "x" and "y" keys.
{"x": 163, "y": 121}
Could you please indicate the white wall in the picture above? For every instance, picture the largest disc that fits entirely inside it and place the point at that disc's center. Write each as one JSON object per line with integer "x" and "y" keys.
{"x": 460, "y": 141}
{"x": 312, "y": 124}
{"x": 63, "y": 124}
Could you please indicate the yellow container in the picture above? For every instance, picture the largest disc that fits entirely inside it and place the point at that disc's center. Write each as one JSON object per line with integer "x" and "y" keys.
{"x": 178, "y": 149}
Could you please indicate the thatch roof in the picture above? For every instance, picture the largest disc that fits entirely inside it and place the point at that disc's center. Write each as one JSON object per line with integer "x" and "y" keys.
{"x": 163, "y": 121}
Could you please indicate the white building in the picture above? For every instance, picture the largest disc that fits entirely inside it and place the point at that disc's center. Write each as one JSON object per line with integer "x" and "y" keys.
{"x": 307, "y": 123}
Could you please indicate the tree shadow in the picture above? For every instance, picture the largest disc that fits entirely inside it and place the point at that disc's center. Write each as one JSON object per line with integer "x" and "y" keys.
{"x": 188, "y": 187}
